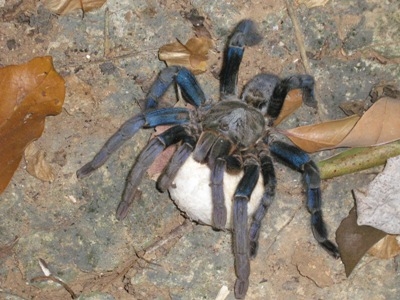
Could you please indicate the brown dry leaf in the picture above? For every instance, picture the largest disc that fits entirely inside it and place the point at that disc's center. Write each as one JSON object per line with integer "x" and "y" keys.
{"x": 36, "y": 165}
{"x": 30, "y": 92}
{"x": 292, "y": 102}
{"x": 387, "y": 247}
{"x": 326, "y": 135}
{"x": 63, "y": 7}
{"x": 381, "y": 122}
{"x": 193, "y": 55}
{"x": 379, "y": 125}
{"x": 354, "y": 240}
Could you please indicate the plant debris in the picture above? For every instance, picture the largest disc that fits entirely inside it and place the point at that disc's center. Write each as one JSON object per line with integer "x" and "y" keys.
{"x": 36, "y": 163}
{"x": 63, "y": 7}
{"x": 354, "y": 240}
{"x": 381, "y": 122}
{"x": 193, "y": 55}
{"x": 379, "y": 205}
{"x": 30, "y": 92}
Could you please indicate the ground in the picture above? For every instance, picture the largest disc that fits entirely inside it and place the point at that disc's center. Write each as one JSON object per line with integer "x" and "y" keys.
{"x": 154, "y": 253}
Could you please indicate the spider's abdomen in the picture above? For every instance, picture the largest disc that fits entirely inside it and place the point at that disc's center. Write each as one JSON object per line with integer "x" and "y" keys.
{"x": 236, "y": 120}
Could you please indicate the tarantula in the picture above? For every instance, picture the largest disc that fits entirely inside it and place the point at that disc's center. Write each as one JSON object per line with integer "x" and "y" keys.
{"x": 226, "y": 136}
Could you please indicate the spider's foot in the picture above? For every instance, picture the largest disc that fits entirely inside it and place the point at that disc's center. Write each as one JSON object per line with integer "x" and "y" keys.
{"x": 85, "y": 171}
{"x": 241, "y": 287}
{"x": 331, "y": 248}
{"x": 219, "y": 218}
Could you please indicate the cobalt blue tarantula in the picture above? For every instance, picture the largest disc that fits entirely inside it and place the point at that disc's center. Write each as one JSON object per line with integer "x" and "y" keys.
{"x": 232, "y": 135}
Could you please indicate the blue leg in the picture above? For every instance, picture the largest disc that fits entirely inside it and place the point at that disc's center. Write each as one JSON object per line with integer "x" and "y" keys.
{"x": 164, "y": 116}
{"x": 245, "y": 34}
{"x": 241, "y": 247}
{"x": 258, "y": 91}
{"x": 171, "y": 136}
{"x": 269, "y": 179}
{"x": 304, "y": 82}
{"x": 231, "y": 162}
{"x": 219, "y": 213}
{"x": 178, "y": 159}
{"x": 300, "y": 161}
{"x": 191, "y": 89}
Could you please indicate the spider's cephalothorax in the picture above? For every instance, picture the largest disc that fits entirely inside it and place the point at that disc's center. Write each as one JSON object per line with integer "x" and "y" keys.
{"x": 229, "y": 135}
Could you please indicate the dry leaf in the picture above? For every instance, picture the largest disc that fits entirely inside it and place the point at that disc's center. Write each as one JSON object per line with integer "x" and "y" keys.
{"x": 63, "y": 7}
{"x": 326, "y": 135}
{"x": 292, "y": 102}
{"x": 354, "y": 240}
{"x": 387, "y": 247}
{"x": 36, "y": 165}
{"x": 379, "y": 125}
{"x": 379, "y": 206}
{"x": 193, "y": 55}
{"x": 30, "y": 92}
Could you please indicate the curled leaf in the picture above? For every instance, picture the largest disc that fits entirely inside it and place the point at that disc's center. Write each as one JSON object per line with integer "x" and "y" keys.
{"x": 326, "y": 135}
{"x": 36, "y": 165}
{"x": 30, "y": 92}
{"x": 63, "y": 7}
{"x": 379, "y": 205}
{"x": 193, "y": 55}
{"x": 379, "y": 125}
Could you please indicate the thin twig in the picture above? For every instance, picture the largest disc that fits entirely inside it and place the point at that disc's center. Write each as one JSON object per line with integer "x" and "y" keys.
{"x": 300, "y": 44}
{"x": 55, "y": 279}
{"x": 177, "y": 232}
{"x": 106, "y": 32}
{"x": 299, "y": 37}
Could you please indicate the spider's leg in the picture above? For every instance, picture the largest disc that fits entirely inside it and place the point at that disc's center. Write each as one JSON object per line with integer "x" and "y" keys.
{"x": 269, "y": 179}
{"x": 153, "y": 149}
{"x": 220, "y": 149}
{"x": 258, "y": 91}
{"x": 245, "y": 34}
{"x": 178, "y": 159}
{"x": 304, "y": 82}
{"x": 240, "y": 226}
{"x": 191, "y": 89}
{"x": 300, "y": 160}
{"x": 219, "y": 213}
{"x": 164, "y": 116}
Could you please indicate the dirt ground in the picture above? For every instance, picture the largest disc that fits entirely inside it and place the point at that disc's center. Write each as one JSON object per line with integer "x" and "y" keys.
{"x": 108, "y": 59}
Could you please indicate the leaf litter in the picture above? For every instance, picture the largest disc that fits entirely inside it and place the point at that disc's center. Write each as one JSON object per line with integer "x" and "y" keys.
{"x": 381, "y": 122}
{"x": 376, "y": 214}
{"x": 30, "y": 92}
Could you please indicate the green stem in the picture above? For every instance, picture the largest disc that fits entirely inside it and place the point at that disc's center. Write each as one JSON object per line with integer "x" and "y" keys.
{"x": 357, "y": 159}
